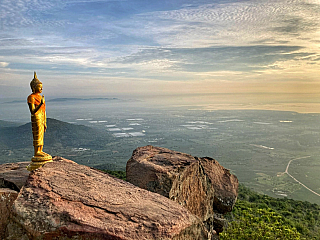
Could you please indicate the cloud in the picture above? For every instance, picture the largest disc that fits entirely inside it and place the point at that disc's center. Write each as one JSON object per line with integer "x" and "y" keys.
{"x": 295, "y": 26}
{"x": 4, "y": 64}
{"x": 19, "y": 13}
{"x": 243, "y": 58}
{"x": 230, "y": 23}
{"x": 179, "y": 40}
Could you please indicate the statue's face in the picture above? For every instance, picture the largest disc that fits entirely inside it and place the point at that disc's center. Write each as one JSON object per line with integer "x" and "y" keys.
{"x": 39, "y": 88}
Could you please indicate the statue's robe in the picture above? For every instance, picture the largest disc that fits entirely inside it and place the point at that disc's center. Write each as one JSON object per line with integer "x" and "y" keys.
{"x": 38, "y": 120}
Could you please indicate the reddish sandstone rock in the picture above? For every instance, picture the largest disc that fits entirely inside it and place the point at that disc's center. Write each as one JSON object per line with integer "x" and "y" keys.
{"x": 184, "y": 178}
{"x": 193, "y": 190}
{"x": 7, "y": 197}
{"x": 67, "y": 200}
{"x": 14, "y": 175}
{"x": 201, "y": 185}
{"x": 155, "y": 168}
{"x": 224, "y": 183}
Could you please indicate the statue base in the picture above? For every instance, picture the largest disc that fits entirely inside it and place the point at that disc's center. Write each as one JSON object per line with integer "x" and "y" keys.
{"x": 37, "y": 162}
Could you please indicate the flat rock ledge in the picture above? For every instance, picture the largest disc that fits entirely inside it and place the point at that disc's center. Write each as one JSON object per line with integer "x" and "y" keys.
{"x": 65, "y": 200}
{"x": 201, "y": 185}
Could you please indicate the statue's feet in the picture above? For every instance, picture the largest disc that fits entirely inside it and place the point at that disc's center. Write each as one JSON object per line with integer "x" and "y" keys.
{"x": 46, "y": 154}
{"x": 41, "y": 154}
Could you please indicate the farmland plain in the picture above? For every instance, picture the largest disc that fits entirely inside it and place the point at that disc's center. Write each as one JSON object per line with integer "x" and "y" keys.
{"x": 256, "y": 145}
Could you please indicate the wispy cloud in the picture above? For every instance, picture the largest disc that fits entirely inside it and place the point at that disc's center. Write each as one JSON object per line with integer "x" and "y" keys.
{"x": 237, "y": 23}
{"x": 161, "y": 40}
{"x": 245, "y": 58}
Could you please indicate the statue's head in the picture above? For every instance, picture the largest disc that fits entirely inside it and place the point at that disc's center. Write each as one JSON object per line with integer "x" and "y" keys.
{"x": 34, "y": 83}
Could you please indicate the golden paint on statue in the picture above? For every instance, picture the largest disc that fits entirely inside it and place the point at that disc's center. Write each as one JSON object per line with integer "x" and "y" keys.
{"x": 37, "y": 109}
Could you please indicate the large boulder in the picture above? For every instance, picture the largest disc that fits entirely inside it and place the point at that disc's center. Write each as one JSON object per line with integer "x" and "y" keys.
{"x": 65, "y": 200}
{"x": 155, "y": 168}
{"x": 201, "y": 185}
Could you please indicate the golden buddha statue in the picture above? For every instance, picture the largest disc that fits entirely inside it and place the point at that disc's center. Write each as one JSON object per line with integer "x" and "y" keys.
{"x": 37, "y": 108}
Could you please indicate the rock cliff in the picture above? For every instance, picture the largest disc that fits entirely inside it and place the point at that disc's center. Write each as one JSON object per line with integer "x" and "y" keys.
{"x": 202, "y": 185}
{"x": 65, "y": 200}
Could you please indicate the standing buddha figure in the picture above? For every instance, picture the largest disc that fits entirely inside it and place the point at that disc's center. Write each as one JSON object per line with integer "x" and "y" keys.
{"x": 37, "y": 108}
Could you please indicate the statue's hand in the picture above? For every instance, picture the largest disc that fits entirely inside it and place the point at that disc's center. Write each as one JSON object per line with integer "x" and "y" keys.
{"x": 43, "y": 100}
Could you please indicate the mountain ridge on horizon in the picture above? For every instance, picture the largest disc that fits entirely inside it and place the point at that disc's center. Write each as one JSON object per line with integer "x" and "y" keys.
{"x": 63, "y": 99}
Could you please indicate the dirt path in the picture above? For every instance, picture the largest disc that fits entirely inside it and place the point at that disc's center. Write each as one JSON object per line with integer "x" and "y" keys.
{"x": 287, "y": 172}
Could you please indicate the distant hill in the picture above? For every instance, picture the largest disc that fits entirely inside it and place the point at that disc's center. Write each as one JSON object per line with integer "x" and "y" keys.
{"x": 58, "y": 134}
{"x": 8, "y": 124}
{"x": 65, "y": 100}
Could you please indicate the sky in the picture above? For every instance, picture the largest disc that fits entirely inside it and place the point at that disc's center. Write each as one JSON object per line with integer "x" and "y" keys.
{"x": 149, "y": 47}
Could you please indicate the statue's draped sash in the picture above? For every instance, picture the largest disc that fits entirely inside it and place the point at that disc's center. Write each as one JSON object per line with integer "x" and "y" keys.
{"x": 38, "y": 120}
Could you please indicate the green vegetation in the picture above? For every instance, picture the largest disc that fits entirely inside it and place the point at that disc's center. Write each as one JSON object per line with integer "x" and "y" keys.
{"x": 257, "y": 216}
{"x": 117, "y": 174}
{"x": 252, "y": 222}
